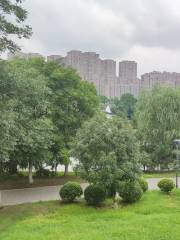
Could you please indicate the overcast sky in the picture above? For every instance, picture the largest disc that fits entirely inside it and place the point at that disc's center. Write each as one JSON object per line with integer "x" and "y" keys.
{"x": 147, "y": 31}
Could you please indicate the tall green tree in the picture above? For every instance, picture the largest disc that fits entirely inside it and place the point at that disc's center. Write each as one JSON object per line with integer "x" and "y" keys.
{"x": 158, "y": 123}
{"x": 74, "y": 101}
{"x": 31, "y": 106}
{"x": 8, "y": 131}
{"x": 12, "y": 17}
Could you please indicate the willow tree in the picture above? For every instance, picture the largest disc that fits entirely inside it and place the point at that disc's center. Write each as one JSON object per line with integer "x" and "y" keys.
{"x": 158, "y": 123}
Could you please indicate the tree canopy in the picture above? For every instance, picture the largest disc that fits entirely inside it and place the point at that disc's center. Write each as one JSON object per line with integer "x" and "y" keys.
{"x": 43, "y": 105}
{"x": 157, "y": 115}
{"x": 12, "y": 17}
{"x": 106, "y": 151}
{"x": 124, "y": 106}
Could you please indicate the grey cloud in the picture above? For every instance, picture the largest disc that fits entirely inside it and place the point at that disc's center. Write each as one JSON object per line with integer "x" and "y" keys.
{"x": 113, "y": 28}
{"x": 156, "y": 23}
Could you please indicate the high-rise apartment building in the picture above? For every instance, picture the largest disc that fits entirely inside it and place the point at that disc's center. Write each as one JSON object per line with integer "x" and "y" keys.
{"x": 55, "y": 58}
{"x": 152, "y": 79}
{"x": 24, "y": 55}
{"x": 107, "y": 77}
{"x": 127, "y": 72}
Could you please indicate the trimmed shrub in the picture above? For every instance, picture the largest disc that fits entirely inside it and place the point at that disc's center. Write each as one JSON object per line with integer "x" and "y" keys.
{"x": 143, "y": 183}
{"x": 130, "y": 192}
{"x": 70, "y": 191}
{"x": 94, "y": 195}
{"x": 43, "y": 172}
{"x": 166, "y": 185}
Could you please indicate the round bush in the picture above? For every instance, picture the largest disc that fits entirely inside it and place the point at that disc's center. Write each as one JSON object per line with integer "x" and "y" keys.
{"x": 166, "y": 185}
{"x": 94, "y": 195}
{"x": 143, "y": 183}
{"x": 70, "y": 191}
{"x": 130, "y": 192}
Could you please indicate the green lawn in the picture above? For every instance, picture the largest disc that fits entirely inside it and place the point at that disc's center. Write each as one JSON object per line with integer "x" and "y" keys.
{"x": 155, "y": 217}
{"x": 159, "y": 175}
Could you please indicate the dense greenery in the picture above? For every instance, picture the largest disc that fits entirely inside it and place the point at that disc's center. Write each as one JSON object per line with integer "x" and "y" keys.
{"x": 130, "y": 191}
{"x": 158, "y": 124}
{"x": 156, "y": 216}
{"x": 70, "y": 191}
{"x": 42, "y": 106}
{"x": 143, "y": 183}
{"x": 12, "y": 17}
{"x": 107, "y": 152}
{"x": 94, "y": 195}
{"x": 125, "y": 106}
{"x": 166, "y": 185}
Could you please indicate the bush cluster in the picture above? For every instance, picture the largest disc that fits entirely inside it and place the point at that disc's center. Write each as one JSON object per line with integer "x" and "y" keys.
{"x": 166, "y": 185}
{"x": 130, "y": 191}
{"x": 94, "y": 195}
{"x": 70, "y": 191}
{"x": 143, "y": 183}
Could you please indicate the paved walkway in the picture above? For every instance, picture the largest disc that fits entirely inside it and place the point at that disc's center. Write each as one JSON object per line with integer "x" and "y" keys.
{"x": 28, "y": 195}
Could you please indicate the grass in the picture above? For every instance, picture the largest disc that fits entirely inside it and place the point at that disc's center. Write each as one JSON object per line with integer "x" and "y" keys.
{"x": 21, "y": 181}
{"x": 159, "y": 175}
{"x": 155, "y": 217}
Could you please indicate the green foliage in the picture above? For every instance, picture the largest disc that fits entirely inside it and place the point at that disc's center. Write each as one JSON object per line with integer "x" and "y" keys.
{"x": 70, "y": 191}
{"x": 94, "y": 195}
{"x": 8, "y": 131}
{"x": 143, "y": 183}
{"x": 130, "y": 191}
{"x": 11, "y": 10}
{"x": 42, "y": 106}
{"x": 31, "y": 106}
{"x": 166, "y": 185}
{"x": 125, "y": 106}
{"x": 43, "y": 172}
{"x": 157, "y": 115}
{"x": 111, "y": 191}
{"x": 106, "y": 151}
{"x": 73, "y": 102}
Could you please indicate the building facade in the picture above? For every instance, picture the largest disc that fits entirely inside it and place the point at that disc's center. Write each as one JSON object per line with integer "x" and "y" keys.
{"x": 152, "y": 79}
{"x": 24, "y": 55}
{"x": 128, "y": 72}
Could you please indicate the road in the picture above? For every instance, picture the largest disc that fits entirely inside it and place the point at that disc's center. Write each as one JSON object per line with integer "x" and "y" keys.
{"x": 29, "y": 195}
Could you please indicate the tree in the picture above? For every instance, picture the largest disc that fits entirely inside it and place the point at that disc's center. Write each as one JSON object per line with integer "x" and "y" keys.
{"x": 8, "y": 131}
{"x": 157, "y": 115}
{"x": 73, "y": 102}
{"x": 31, "y": 106}
{"x": 12, "y": 10}
{"x": 107, "y": 152}
{"x": 44, "y": 105}
{"x": 126, "y": 106}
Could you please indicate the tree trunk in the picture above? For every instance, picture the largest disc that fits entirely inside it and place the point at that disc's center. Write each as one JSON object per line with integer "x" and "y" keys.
{"x": 31, "y": 181}
{"x": 66, "y": 169}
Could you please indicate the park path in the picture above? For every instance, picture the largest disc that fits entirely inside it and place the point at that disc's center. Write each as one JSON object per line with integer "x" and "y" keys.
{"x": 29, "y": 195}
